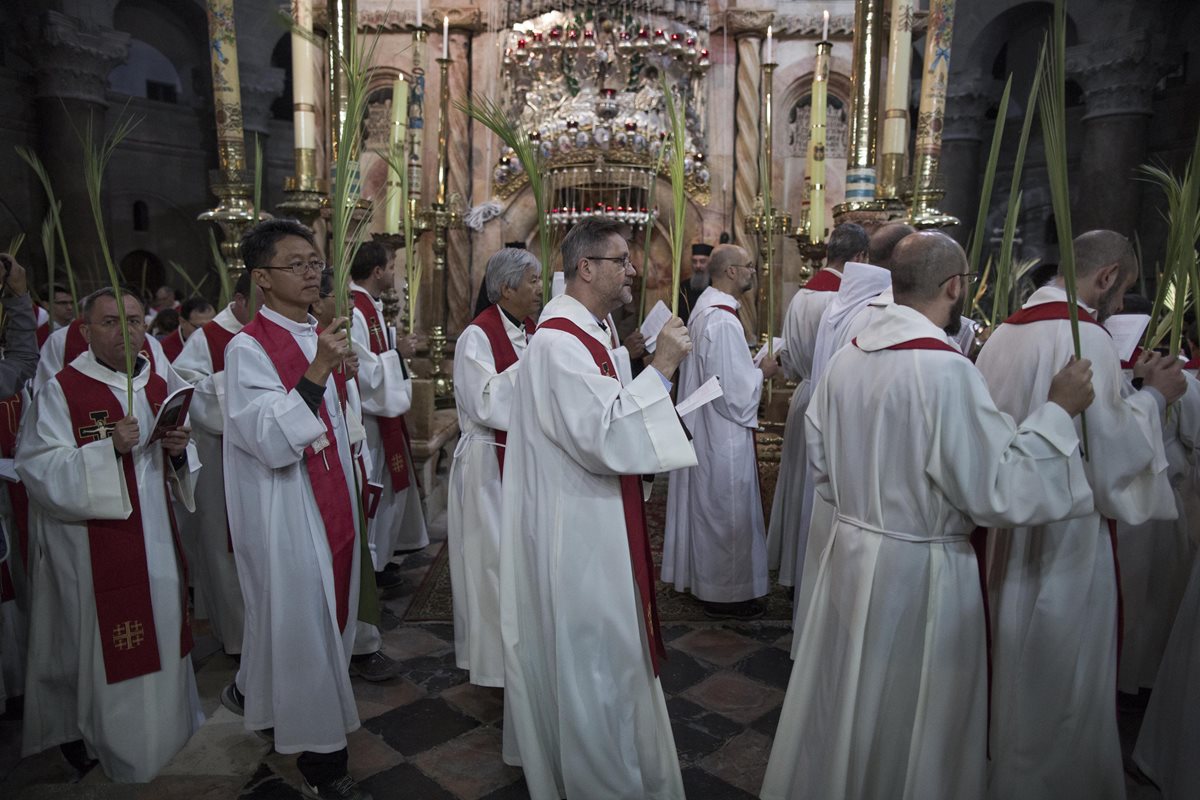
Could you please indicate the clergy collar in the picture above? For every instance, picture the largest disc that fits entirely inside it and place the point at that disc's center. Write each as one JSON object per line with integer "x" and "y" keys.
{"x": 139, "y": 364}
{"x": 510, "y": 317}
{"x": 308, "y": 327}
{"x": 899, "y": 323}
{"x": 228, "y": 320}
{"x": 87, "y": 363}
{"x": 712, "y": 296}
{"x": 568, "y": 307}
{"x": 1052, "y": 293}
{"x": 356, "y": 287}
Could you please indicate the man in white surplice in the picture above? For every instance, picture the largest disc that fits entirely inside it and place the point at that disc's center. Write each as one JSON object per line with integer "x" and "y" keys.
{"x": 213, "y": 569}
{"x": 580, "y": 634}
{"x": 289, "y": 484}
{"x": 1054, "y": 587}
{"x": 888, "y": 695}
{"x": 102, "y": 591}
{"x": 715, "y": 545}
{"x": 486, "y": 360}
{"x": 847, "y": 242}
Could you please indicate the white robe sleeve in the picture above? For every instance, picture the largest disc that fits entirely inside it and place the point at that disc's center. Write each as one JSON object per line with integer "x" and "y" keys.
{"x": 724, "y": 353}
{"x": 605, "y": 427}
{"x": 71, "y": 483}
{"x": 793, "y": 334}
{"x": 194, "y": 365}
{"x": 262, "y": 416}
{"x": 1187, "y": 412}
{"x": 50, "y": 359}
{"x": 482, "y": 394}
{"x": 385, "y": 387}
{"x": 997, "y": 473}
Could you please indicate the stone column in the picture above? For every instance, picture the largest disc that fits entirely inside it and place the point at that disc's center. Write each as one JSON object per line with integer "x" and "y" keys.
{"x": 1117, "y": 76}
{"x": 748, "y": 28}
{"x": 460, "y": 299}
{"x": 73, "y": 62}
{"x": 966, "y": 135}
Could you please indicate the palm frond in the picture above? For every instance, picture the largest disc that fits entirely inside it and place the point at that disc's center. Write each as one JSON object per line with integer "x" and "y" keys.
{"x": 989, "y": 179}
{"x": 14, "y": 244}
{"x": 27, "y": 155}
{"x": 223, "y": 276}
{"x": 675, "y": 169}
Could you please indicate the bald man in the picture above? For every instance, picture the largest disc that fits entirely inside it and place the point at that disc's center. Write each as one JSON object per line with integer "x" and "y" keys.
{"x": 888, "y": 695}
{"x": 1054, "y": 587}
{"x": 715, "y": 543}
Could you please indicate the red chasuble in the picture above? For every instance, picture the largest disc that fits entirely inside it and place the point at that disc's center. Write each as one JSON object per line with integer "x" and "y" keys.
{"x": 392, "y": 430}
{"x": 172, "y": 345}
{"x": 323, "y": 465}
{"x": 10, "y": 422}
{"x": 76, "y": 344}
{"x": 120, "y": 576}
{"x": 825, "y": 280}
{"x": 491, "y": 322}
{"x": 631, "y": 498}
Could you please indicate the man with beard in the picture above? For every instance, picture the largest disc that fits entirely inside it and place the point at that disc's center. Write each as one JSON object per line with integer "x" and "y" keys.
{"x": 1053, "y": 587}
{"x": 715, "y": 543}
{"x": 888, "y": 695}
{"x": 690, "y": 292}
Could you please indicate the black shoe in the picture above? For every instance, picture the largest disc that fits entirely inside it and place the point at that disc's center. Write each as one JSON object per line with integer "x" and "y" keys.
{"x": 391, "y": 566}
{"x": 374, "y": 667}
{"x": 76, "y": 755}
{"x": 234, "y": 700}
{"x": 745, "y": 610}
{"x": 388, "y": 581}
{"x": 344, "y": 788}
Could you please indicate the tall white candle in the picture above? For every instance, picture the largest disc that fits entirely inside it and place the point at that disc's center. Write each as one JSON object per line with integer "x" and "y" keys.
{"x": 303, "y": 93}
{"x": 419, "y": 14}
{"x": 770, "y": 43}
{"x": 396, "y": 135}
{"x": 446, "y": 37}
{"x": 825, "y": 32}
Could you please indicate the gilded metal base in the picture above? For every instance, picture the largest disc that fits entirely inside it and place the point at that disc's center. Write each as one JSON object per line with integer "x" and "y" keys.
{"x": 302, "y": 204}
{"x": 443, "y": 384}
{"x": 925, "y": 213}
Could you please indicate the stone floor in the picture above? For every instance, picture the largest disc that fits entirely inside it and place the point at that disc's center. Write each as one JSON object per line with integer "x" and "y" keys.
{"x": 429, "y": 735}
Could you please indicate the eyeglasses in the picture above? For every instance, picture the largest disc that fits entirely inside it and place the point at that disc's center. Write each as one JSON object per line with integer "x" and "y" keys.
{"x": 752, "y": 266}
{"x": 625, "y": 261}
{"x": 970, "y": 278}
{"x": 300, "y": 268}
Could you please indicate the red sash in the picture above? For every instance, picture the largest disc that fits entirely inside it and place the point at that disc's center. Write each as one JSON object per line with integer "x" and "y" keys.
{"x": 42, "y": 333}
{"x": 172, "y": 345}
{"x": 1058, "y": 309}
{"x": 324, "y": 467}
{"x": 1193, "y": 363}
{"x": 1133, "y": 359}
{"x": 218, "y": 338}
{"x": 10, "y": 422}
{"x": 120, "y": 576}
{"x": 76, "y": 344}
{"x": 640, "y": 557}
{"x": 392, "y": 430}
{"x": 921, "y": 343}
{"x": 824, "y": 281}
{"x": 504, "y": 355}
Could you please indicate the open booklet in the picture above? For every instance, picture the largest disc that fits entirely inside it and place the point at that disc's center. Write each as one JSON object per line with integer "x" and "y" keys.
{"x": 655, "y": 321}
{"x": 707, "y": 392}
{"x": 1127, "y": 330}
{"x": 173, "y": 413}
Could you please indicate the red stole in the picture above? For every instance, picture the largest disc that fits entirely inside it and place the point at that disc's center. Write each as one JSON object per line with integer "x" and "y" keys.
{"x": 172, "y": 345}
{"x": 43, "y": 333}
{"x": 631, "y": 499}
{"x": 10, "y": 422}
{"x": 76, "y": 344}
{"x": 921, "y": 343}
{"x": 324, "y": 467}
{"x": 1133, "y": 359}
{"x": 491, "y": 322}
{"x": 217, "y": 337}
{"x": 1058, "y": 309}
{"x": 120, "y": 576}
{"x": 826, "y": 280}
{"x": 1194, "y": 363}
{"x": 392, "y": 430}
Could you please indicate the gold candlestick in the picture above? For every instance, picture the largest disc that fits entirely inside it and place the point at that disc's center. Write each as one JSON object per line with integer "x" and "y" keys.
{"x": 416, "y": 112}
{"x": 894, "y": 141}
{"x": 231, "y": 183}
{"x": 860, "y": 164}
{"x": 304, "y": 190}
{"x": 927, "y": 189}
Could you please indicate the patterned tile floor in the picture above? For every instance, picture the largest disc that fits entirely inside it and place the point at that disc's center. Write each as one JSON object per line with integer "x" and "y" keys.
{"x": 429, "y": 735}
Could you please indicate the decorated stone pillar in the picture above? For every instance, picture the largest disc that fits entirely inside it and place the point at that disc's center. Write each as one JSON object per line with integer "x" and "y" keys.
{"x": 460, "y": 297}
{"x": 73, "y": 62}
{"x": 748, "y": 28}
{"x": 1118, "y": 77}
{"x": 965, "y": 127}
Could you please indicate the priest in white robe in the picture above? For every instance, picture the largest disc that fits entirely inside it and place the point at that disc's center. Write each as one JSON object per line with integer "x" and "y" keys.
{"x": 213, "y": 568}
{"x": 847, "y": 242}
{"x": 578, "y": 620}
{"x": 888, "y": 695}
{"x": 1053, "y": 587}
{"x": 289, "y": 483}
{"x": 715, "y": 543}
{"x": 110, "y": 632}
{"x": 486, "y": 362}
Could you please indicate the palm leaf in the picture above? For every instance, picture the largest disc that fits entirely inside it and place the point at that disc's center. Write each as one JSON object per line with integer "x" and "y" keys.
{"x": 989, "y": 178}
{"x": 675, "y": 169}
{"x": 27, "y": 155}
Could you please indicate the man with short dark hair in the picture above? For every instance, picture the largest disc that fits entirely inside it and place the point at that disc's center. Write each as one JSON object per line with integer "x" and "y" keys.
{"x": 110, "y": 631}
{"x": 195, "y": 313}
{"x": 577, "y": 608}
{"x": 888, "y": 695}
{"x": 1053, "y": 587}
{"x": 58, "y": 313}
{"x": 294, "y": 517}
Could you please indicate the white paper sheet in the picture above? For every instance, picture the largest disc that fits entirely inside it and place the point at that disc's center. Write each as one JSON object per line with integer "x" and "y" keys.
{"x": 707, "y": 392}
{"x": 658, "y": 317}
{"x": 558, "y": 284}
{"x": 1127, "y": 330}
{"x": 762, "y": 351}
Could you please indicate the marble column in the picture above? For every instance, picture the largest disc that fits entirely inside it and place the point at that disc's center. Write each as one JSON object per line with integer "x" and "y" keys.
{"x": 460, "y": 299}
{"x": 73, "y": 62}
{"x": 1118, "y": 77}
{"x": 966, "y": 136}
{"x": 748, "y": 28}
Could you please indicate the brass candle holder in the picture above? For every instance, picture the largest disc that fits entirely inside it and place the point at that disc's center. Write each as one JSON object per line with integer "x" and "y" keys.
{"x": 767, "y": 222}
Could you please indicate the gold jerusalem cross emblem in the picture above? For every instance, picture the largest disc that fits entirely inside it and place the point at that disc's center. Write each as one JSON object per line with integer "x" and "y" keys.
{"x": 396, "y": 464}
{"x": 128, "y": 635}
{"x": 99, "y": 429}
